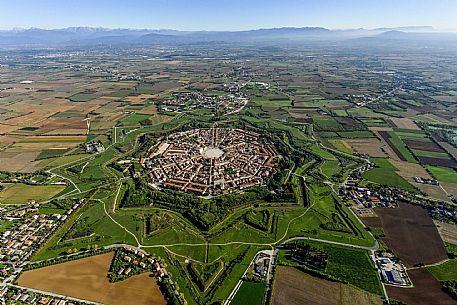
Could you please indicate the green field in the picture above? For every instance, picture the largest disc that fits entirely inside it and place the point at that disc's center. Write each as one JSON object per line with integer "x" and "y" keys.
{"x": 446, "y": 271}
{"x": 431, "y": 154}
{"x": 265, "y": 101}
{"x": 326, "y": 123}
{"x": 135, "y": 118}
{"x": 400, "y": 145}
{"x": 51, "y": 153}
{"x": 351, "y": 266}
{"x": 356, "y": 134}
{"x": 121, "y": 93}
{"x": 443, "y": 174}
{"x": 21, "y": 193}
{"x": 384, "y": 174}
{"x": 408, "y": 135}
{"x": 341, "y": 113}
{"x": 339, "y": 145}
{"x": 250, "y": 293}
{"x": 82, "y": 97}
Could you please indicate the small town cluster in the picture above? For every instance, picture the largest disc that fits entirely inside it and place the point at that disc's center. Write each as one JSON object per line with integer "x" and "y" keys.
{"x": 30, "y": 229}
{"x": 220, "y": 104}
{"x": 211, "y": 161}
{"x": 17, "y": 296}
{"x": 137, "y": 260}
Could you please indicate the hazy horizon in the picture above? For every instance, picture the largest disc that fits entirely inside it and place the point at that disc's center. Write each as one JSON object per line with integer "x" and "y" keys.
{"x": 227, "y": 15}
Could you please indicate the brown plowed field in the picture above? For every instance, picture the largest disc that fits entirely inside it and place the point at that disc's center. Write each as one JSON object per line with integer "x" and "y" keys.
{"x": 374, "y": 222}
{"x": 438, "y": 161}
{"x": 422, "y": 145}
{"x": 427, "y": 290}
{"x": 412, "y": 235}
{"x": 87, "y": 279}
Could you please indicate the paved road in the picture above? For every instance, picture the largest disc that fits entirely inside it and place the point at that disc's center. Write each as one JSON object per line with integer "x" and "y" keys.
{"x": 55, "y": 295}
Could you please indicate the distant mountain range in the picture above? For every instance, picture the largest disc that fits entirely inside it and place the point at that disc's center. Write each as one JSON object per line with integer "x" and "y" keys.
{"x": 88, "y": 36}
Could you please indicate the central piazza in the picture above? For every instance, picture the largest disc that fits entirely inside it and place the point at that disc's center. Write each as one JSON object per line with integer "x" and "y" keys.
{"x": 211, "y": 161}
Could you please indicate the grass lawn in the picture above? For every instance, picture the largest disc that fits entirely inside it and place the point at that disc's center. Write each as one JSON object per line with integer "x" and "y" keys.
{"x": 352, "y": 266}
{"x": 356, "y": 134}
{"x": 82, "y": 97}
{"x": 267, "y": 102}
{"x": 323, "y": 153}
{"x": 327, "y": 123}
{"x": 51, "y": 153}
{"x": 121, "y": 93}
{"x": 341, "y": 146}
{"x": 443, "y": 174}
{"x": 331, "y": 168}
{"x": 384, "y": 174}
{"x": 21, "y": 193}
{"x": 135, "y": 118}
{"x": 446, "y": 271}
{"x": 250, "y": 293}
{"x": 341, "y": 112}
{"x": 431, "y": 154}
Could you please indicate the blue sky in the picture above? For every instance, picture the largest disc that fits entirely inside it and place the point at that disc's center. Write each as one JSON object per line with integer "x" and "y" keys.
{"x": 227, "y": 14}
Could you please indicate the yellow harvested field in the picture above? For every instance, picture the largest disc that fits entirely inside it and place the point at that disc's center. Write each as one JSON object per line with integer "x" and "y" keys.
{"x": 351, "y": 295}
{"x": 380, "y": 128}
{"x": 448, "y": 232}
{"x": 40, "y": 139}
{"x": 139, "y": 98}
{"x": 22, "y": 162}
{"x": 87, "y": 279}
{"x": 451, "y": 188}
{"x": 369, "y": 146}
{"x": 434, "y": 191}
{"x": 68, "y": 131}
{"x": 21, "y": 193}
{"x": 152, "y": 109}
{"x": 404, "y": 123}
{"x": 410, "y": 170}
{"x": 4, "y": 129}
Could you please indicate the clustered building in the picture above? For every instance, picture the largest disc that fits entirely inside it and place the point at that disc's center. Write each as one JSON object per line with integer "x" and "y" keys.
{"x": 392, "y": 270}
{"x": 221, "y": 104}
{"x": 211, "y": 161}
{"x": 30, "y": 229}
{"x": 141, "y": 259}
